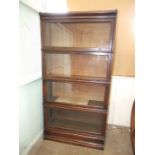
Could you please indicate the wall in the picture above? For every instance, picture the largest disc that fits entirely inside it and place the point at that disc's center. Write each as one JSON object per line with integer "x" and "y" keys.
{"x": 30, "y": 115}
{"x": 30, "y": 43}
{"x": 124, "y": 44}
{"x": 34, "y": 4}
{"x": 121, "y": 100}
{"x": 31, "y": 112}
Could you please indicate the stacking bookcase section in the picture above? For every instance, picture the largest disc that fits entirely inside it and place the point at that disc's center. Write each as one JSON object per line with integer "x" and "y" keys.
{"x": 77, "y": 66}
{"x": 82, "y": 128}
{"x": 79, "y": 121}
{"x": 77, "y": 51}
{"x": 77, "y": 34}
{"x": 87, "y": 94}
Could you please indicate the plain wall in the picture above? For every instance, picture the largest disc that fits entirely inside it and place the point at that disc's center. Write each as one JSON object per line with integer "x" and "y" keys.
{"x": 30, "y": 108}
{"x": 30, "y": 45}
{"x": 121, "y": 100}
{"x": 124, "y": 61}
{"x": 30, "y": 115}
{"x": 36, "y": 5}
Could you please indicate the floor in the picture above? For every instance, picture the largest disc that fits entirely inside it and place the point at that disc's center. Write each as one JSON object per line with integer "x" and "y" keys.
{"x": 117, "y": 143}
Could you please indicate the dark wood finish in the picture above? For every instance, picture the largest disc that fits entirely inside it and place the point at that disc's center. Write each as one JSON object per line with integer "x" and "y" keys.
{"x": 96, "y": 109}
{"x": 96, "y": 14}
{"x": 73, "y": 133}
{"x": 133, "y": 126}
{"x": 80, "y": 79}
{"x": 83, "y": 125}
{"x": 77, "y": 50}
{"x": 75, "y": 139}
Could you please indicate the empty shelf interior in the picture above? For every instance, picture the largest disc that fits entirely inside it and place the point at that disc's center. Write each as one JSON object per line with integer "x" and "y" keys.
{"x": 76, "y": 120}
{"x": 78, "y": 94}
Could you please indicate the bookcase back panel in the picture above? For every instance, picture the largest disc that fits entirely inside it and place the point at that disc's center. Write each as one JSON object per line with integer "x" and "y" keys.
{"x": 75, "y": 93}
{"x": 76, "y": 65}
{"x": 86, "y": 34}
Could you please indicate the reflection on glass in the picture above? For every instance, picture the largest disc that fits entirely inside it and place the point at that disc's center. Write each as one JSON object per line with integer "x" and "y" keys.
{"x": 76, "y": 65}
{"x": 75, "y": 93}
{"x": 77, "y": 34}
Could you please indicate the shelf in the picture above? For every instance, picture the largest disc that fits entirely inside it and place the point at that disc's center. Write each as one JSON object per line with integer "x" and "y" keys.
{"x": 74, "y": 139}
{"x": 91, "y": 67}
{"x": 77, "y": 50}
{"x": 93, "y": 109}
{"x": 88, "y": 35}
{"x": 75, "y": 101}
{"x": 86, "y": 122}
{"x": 75, "y": 107}
{"x": 94, "y": 136}
{"x": 76, "y": 120}
{"x": 84, "y": 95}
{"x": 75, "y": 125}
{"x": 73, "y": 78}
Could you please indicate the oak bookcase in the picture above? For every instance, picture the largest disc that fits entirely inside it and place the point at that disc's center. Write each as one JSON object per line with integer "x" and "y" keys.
{"x": 77, "y": 51}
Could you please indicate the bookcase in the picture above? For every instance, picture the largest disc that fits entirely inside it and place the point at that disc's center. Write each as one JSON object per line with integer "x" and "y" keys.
{"x": 77, "y": 52}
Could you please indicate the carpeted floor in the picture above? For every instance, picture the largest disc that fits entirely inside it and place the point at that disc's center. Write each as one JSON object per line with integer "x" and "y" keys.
{"x": 117, "y": 143}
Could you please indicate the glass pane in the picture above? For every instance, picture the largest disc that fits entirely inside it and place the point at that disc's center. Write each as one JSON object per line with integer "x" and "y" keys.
{"x": 76, "y": 120}
{"x": 75, "y": 93}
{"x": 76, "y": 65}
{"x": 77, "y": 34}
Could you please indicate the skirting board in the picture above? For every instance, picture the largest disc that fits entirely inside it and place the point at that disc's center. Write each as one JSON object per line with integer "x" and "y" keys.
{"x": 35, "y": 140}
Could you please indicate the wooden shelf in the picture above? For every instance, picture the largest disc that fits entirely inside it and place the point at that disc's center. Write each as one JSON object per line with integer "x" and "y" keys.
{"x": 79, "y": 121}
{"x": 101, "y": 110}
{"x": 74, "y": 139}
{"x": 73, "y": 78}
{"x": 75, "y": 101}
{"x": 95, "y": 136}
{"x": 77, "y": 50}
{"x": 75, "y": 125}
